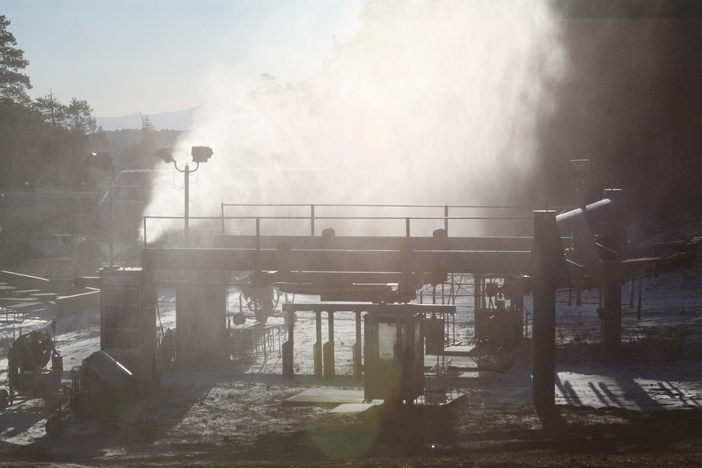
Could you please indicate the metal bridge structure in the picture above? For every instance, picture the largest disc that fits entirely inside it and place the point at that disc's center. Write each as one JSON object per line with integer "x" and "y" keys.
{"x": 585, "y": 247}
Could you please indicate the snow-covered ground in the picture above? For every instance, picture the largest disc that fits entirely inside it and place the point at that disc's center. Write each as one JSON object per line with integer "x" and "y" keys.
{"x": 209, "y": 408}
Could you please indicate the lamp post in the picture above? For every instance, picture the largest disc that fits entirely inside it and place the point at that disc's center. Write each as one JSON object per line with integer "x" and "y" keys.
{"x": 104, "y": 162}
{"x": 200, "y": 154}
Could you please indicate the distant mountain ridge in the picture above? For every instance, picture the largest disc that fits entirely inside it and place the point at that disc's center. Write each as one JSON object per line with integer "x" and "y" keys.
{"x": 179, "y": 120}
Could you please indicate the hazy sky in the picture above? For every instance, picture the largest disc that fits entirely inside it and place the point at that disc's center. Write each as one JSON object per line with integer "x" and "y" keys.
{"x": 151, "y": 56}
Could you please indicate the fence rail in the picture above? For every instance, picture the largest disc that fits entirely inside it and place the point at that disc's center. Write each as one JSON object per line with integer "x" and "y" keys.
{"x": 313, "y": 217}
{"x": 407, "y": 219}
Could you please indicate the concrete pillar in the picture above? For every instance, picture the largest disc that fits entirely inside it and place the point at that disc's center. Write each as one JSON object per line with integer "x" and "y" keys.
{"x": 201, "y": 304}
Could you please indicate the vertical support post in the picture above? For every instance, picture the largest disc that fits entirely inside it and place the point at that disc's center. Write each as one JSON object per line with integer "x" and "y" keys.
{"x": 446, "y": 213}
{"x": 222, "y": 211}
{"x": 631, "y": 293}
{"x": 289, "y": 346}
{"x": 112, "y": 215}
{"x": 405, "y": 288}
{"x": 453, "y": 327}
{"x": 328, "y": 350}
{"x": 546, "y": 251}
{"x": 186, "y": 211}
{"x": 479, "y": 316}
{"x": 615, "y": 237}
{"x": 258, "y": 254}
{"x": 357, "y": 346}
{"x": 612, "y": 295}
{"x": 477, "y": 297}
{"x": 311, "y": 220}
{"x": 317, "y": 351}
{"x": 638, "y": 305}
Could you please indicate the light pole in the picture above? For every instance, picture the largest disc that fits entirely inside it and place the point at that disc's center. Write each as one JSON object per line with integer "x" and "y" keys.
{"x": 104, "y": 162}
{"x": 200, "y": 154}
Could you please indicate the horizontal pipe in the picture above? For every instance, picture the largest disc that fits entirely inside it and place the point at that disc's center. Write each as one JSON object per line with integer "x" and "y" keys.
{"x": 592, "y": 212}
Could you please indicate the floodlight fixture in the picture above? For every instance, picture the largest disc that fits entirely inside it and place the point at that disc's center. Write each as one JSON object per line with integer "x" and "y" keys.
{"x": 165, "y": 153}
{"x": 201, "y": 154}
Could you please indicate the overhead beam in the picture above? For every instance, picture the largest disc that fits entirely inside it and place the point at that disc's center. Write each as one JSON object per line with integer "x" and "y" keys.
{"x": 373, "y": 242}
{"x": 425, "y": 261}
{"x": 356, "y": 307}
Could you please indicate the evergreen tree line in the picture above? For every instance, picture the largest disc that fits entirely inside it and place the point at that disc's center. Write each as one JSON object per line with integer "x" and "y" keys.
{"x": 44, "y": 142}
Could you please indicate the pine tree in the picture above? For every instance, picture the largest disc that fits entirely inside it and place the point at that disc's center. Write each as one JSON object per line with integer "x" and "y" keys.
{"x": 13, "y": 82}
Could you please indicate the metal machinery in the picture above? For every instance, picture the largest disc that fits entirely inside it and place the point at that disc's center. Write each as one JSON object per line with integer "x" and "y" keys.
{"x": 582, "y": 248}
{"x": 394, "y": 356}
{"x": 27, "y": 374}
{"x": 383, "y": 271}
{"x": 101, "y": 387}
{"x": 391, "y": 357}
{"x": 499, "y": 310}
